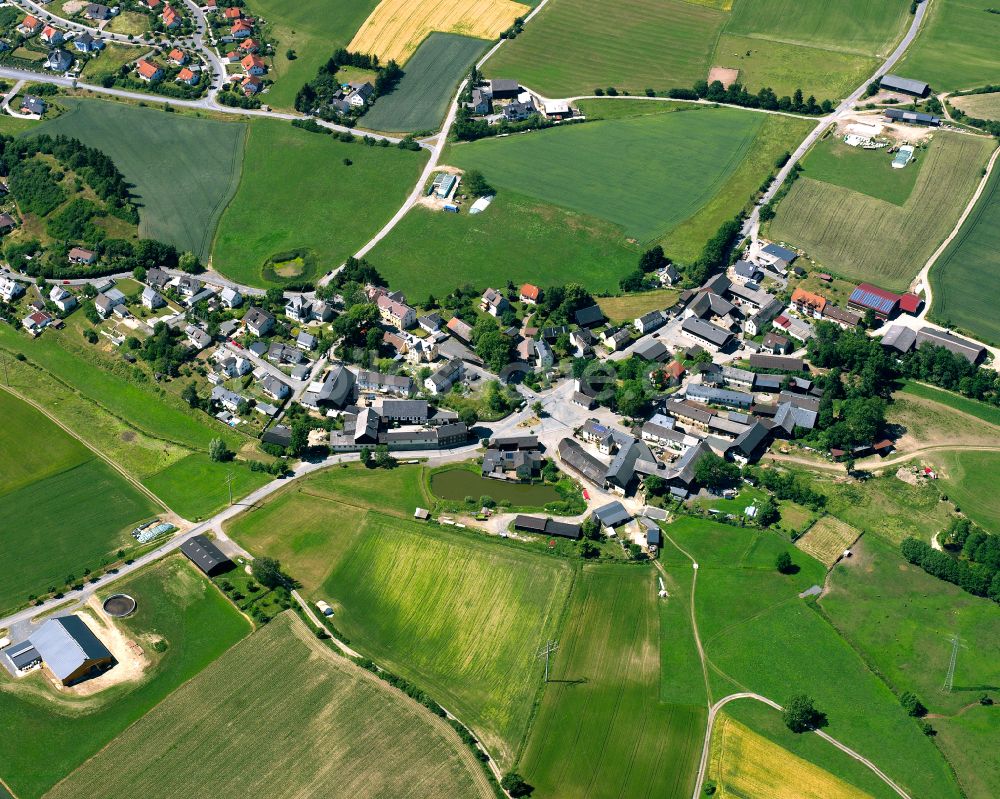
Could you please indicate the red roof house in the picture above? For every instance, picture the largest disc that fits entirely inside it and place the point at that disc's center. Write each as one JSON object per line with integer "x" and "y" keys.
{"x": 250, "y": 46}
{"x": 148, "y": 70}
{"x": 187, "y": 76}
{"x": 529, "y": 293}
{"x": 170, "y": 18}
{"x": 178, "y": 57}
{"x": 232, "y": 13}
{"x": 252, "y": 65}
{"x": 911, "y": 303}
{"x": 241, "y": 29}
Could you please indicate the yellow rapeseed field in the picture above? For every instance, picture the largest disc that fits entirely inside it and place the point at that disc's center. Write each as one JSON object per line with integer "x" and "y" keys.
{"x": 396, "y": 28}
{"x": 827, "y": 539}
{"x": 749, "y": 766}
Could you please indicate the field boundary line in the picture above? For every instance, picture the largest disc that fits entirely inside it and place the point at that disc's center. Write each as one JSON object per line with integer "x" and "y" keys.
{"x": 120, "y": 469}
{"x": 235, "y": 178}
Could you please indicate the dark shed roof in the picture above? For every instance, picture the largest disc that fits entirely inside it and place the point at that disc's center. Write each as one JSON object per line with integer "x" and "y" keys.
{"x": 205, "y": 555}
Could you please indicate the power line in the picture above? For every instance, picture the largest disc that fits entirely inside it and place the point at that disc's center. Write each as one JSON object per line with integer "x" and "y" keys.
{"x": 229, "y": 482}
{"x": 547, "y": 650}
{"x": 949, "y": 679}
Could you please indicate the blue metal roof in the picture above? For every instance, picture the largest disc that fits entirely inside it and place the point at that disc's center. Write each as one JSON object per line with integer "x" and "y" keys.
{"x": 869, "y": 299}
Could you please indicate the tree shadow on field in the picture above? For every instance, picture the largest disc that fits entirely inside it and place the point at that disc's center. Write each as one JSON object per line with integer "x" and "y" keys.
{"x": 578, "y": 681}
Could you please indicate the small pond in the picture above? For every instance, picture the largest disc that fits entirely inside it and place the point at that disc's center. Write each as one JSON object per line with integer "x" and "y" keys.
{"x": 457, "y": 484}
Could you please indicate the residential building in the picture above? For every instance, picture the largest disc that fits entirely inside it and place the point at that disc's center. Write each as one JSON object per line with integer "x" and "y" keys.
{"x": 63, "y": 299}
{"x": 258, "y": 321}
{"x": 839, "y": 316}
{"x": 148, "y": 71}
{"x": 336, "y": 389}
{"x": 576, "y": 459}
{"x": 460, "y": 329}
{"x": 170, "y": 18}
{"x": 479, "y": 102}
{"x": 274, "y": 387}
{"x": 36, "y": 321}
{"x": 197, "y": 337}
{"x": 253, "y": 65}
{"x": 58, "y": 60}
{"x": 29, "y": 26}
{"x": 651, "y": 321}
{"x": 188, "y": 76}
{"x": 431, "y": 323}
{"x": 494, "y": 303}
{"x": 544, "y": 357}
{"x": 719, "y": 396}
{"x": 777, "y": 363}
{"x": 775, "y": 344}
{"x": 85, "y": 43}
{"x": 177, "y": 57}
{"x": 808, "y": 304}
{"x": 590, "y": 316}
{"x": 529, "y": 294}
{"x": 107, "y": 301}
{"x": 706, "y": 333}
{"x": 398, "y": 385}
{"x": 445, "y": 376}
{"x": 745, "y": 271}
{"x": 152, "y": 299}
{"x": 361, "y": 94}
{"x": 230, "y": 297}
{"x": 32, "y": 105}
{"x": 97, "y": 11}
{"x": 51, "y": 35}
{"x": 10, "y": 289}
{"x": 396, "y": 313}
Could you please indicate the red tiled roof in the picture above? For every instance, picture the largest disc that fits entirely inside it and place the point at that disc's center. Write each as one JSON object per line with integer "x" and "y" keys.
{"x": 185, "y": 74}
{"x": 146, "y": 68}
{"x": 249, "y": 44}
{"x": 241, "y": 25}
{"x": 251, "y": 61}
{"x": 910, "y": 303}
{"x": 529, "y": 291}
{"x": 30, "y": 22}
{"x": 169, "y": 16}
{"x": 48, "y": 30}
{"x": 177, "y": 54}
{"x": 232, "y": 13}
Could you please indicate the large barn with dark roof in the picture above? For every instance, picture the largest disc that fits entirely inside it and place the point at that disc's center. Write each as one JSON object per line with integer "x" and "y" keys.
{"x": 206, "y": 555}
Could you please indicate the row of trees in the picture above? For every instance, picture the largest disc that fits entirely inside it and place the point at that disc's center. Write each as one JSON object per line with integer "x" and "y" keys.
{"x": 978, "y": 578}
{"x": 737, "y": 94}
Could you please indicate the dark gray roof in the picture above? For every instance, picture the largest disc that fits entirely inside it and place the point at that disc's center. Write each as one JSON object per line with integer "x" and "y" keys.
{"x": 622, "y": 468}
{"x": 780, "y": 252}
{"x": 23, "y": 655}
{"x": 651, "y": 350}
{"x": 404, "y": 409}
{"x": 612, "y": 514}
{"x": 504, "y": 85}
{"x": 899, "y": 338}
{"x": 719, "y": 396}
{"x": 777, "y": 362}
{"x": 706, "y": 331}
{"x": 573, "y": 455}
{"x": 969, "y": 350}
{"x": 591, "y": 315}
{"x": 753, "y": 438}
{"x": 912, "y": 116}
{"x": 203, "y": 553}
{"x": 907, "y": 85}
{"x": 65, "y": 643}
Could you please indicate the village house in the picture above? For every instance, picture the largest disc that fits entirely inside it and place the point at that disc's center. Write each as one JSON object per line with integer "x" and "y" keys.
{"x": 229, "y": 400}
{"x": 651, "y": 321}
{"x": 58, "y": 60}
{"x": 431, "y": 323}
{"x": 253, "y": 65}
{"x": 360, "y": 94}
{"x": 258, "y": 321}
{"x": 230, "y": 297}
{"x": 32, "y": 105}
{"x": 241, "y": 29}
{"x": 530, "y": 294}
{"x": 494, "y": 303}
{"x": 170, "y": 18}
{"x": 774, "y": 344}
{"x": 29, "y": 26}
{"x": 85, "y": 43}
{"x": 808, "y": 304}
{"x": 10, "y": 289}
{"x": 460, "y": 330}
{"x": 98, "y": 12}
{"x": 395, "y": 312}
{"x": 177, "y": 57}
{"x": 396, "y": 385}
{"x": 106, "y": 302}
{"x": 62, "y": 299}
{"x": 274, "y": 388}
{"x": 147, "y": 70}
{"x": 251, "y": 85}
{"x": 445, "y": 376}
{"x": 51, "y": 35}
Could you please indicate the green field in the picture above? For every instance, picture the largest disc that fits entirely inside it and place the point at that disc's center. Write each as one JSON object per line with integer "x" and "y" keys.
{"x": 968, "y": 477}
{"x": 338, "y": 731}
{"x": 775, "y": 644}
{"x": 956, "y": 47}
{"x": 59, "y": 733}
{"x": 421, "y": 603}
{"x": 297, "y": 194}
{"x": 903, "y": 620}
{"x": 979, "y": 106}
{"x": 964, "y": 292}
{"x": 313, "y": 29}
{"x": 433, "y": 73}
{"x": 981, "y": 410}
{"x": 432, "y": 252}
{"x": 574, "y": 46}
{"x": 197, "y": 486}
{"x": 849, "y": 233}
{"x": 602, "y": 729}
{"x": 869, "y": 172}
{"x": 111, "y": 59}
{"x": 640, "y": 173}
{"x": 117, "y": 410}
{"x": 61, "y": 509}
{"x": 184, "y": 169}
{"x": 826, "y": 49}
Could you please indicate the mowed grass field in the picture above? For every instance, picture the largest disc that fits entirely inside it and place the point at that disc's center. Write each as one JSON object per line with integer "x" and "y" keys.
{"x": 964, "y": 295}
{"x": 631, "y": 306}
{"x": 313, "y": 29}
{"x": 641, "y": 173}
{"x": 864, "y": 238}
{"x": 197, "y": 485}
{"x": 745, "y": 764}
{"x": 826, "y": 49}
{"x": 573, "y": 46}
{"x": 827, "y": 539}
{"x": 395, "y": 29}
{"x": 903, "y": 620}
{"x": 175, "y": 604}
{"x": 61, "y": 508}
{"x": 343, "y": 732}
{"x": 868, "y": 172}
{"x": 601, "y": 729}
{"x": 774, "y": 643}
{"x": 296, "y": 193}
{"x": 185, "y": 170}
{"x": 979, "y": 106}
{"x": 460, "y": 616}
{"x": 432, "y": 75}
{"x": 431, "y": 252}
{"x": 956, "y": 48}
{"x": 968, "y": 478}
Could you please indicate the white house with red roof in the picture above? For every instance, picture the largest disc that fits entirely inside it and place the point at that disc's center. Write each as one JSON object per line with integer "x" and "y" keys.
{"x": 187, "y": 76}
{"x": 251, "y": 85}
{"x": 253, "y": 65}
{"x": 29, "y": 26}
{"x": 178, "y": 57}
{"x": 232, "y": 13}
{"x": 250, "y": 45}
{"x": 51, "y": 35}
{"x": 171, "y": 19}
{"x": 241, "y": 29}
{"x": 147, "y": 70}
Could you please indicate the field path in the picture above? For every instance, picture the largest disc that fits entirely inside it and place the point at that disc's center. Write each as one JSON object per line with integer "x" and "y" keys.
{"x": 922, "y": 280}
{"x": 171, "y": 516}
{"x": 713, "y": 709}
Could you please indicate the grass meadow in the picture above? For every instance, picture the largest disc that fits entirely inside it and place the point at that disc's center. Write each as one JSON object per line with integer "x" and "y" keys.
{"x": 827, "y": 539}
{"x": 956, "y": 48}
{"x": 902, "y": 620}
{"x": 743, "y": 763}
{"x": 432, "y": 75}
{"x": 961, "y": 296}
{"x": 631, "y": 306}
{"x": 570, "y": 48}
{"x": 197, "y": 485}
{"x": 868, "y": 172}
{"x": 462, "y": 617}
{"x": 774, "y": 643}
{"x": 969, "y": 477}
{"x": 297, "y": 193}
{"x": 979, "y": 106}
{"x": 966, "y": 405}
{"x": 175, "y": 604}
{"x": 847, "y": 232}
{"x": 430, "y": 252}
{"x": 602, "y": 729}
{"x": 344, "y": 732}
{"x": 61, "y": 508}
{"x": 184, "y": 169}
{"x": 313, "y": 29}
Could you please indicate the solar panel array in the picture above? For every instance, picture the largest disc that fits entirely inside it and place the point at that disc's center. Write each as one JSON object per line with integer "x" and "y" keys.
{"x": 869, "y": 299}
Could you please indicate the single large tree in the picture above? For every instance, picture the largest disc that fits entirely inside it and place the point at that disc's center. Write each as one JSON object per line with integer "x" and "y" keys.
{"x": 800, "y": 714}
